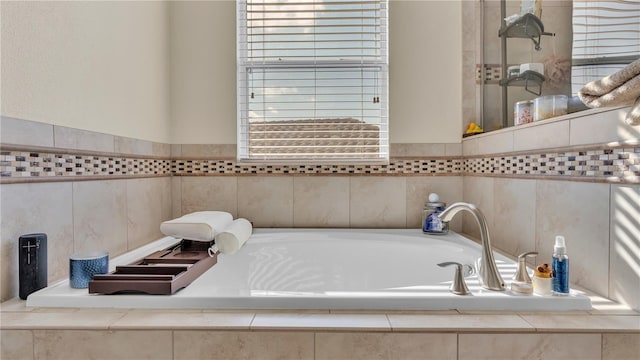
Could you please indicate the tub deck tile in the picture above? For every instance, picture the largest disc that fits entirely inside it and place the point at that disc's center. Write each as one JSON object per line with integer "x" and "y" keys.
{"x": 459, "y": 323}
{"x": 96, "y": 319}
{"x": 588, "y": 323}
{"x": 183, "y": 320}
{"x": 320, "y": 322}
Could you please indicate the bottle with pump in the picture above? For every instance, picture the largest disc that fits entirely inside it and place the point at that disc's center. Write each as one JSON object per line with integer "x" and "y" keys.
{"x": 560, "y": 267}
{"x": 431, "y": 223}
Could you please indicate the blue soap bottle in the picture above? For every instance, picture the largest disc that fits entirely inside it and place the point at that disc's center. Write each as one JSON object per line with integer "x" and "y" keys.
{"x": 560, "y": 267}
{"x": 431, "y": 223}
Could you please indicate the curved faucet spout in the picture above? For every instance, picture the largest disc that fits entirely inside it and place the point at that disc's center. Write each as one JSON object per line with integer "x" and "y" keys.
{"x": 488, "y": 273}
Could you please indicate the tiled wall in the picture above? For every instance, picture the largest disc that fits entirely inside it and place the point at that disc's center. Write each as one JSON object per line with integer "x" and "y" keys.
{"x": 527, "y": 191}
{"x": 91, "y": 191}
{"x": 118, "y": 210}
{"x": 207, "y": 344}
{"x": 598, "y": 211}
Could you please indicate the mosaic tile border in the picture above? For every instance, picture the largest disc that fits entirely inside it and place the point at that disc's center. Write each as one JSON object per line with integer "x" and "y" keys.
{"x": 610, "y": 165}
{"x": 621, "y": 164}
{"x": 492, "y": 73}
{"x": 395, "y": 167}
{"x": 26, "y": 164}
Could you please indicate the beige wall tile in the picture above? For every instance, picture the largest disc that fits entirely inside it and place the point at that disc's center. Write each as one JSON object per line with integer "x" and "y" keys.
{"x": 468, "y": 84}
{"x": 160, "y": 149}
{"x": 23, "y": 132}
{"x": 470, "y": 146}
{"x": 449, "y": 188}
{"x": 548, "y": 135}
{"x": 578, "y": 211}
{"x": 514, "y": 204}
{"x": 624, "y": 251}
{"x": 100, "y": 216}
{"x": 378, "y": 202}
{"x": 529, "y": 346}
{"x": 620, "y": 346}
{"x": 176, "y": 196}
{"x": 496, "y": 143}
{"x": 69, "y": 138}
{"x": 242, "y": 345}
{"x": 469, "y": 26}
{"x": 416, "y": 150}
{"x": 208, "y": 150}
{"x": 321, "y": 201}
{"x": 492, "y": 23}
{"x": 603, "y": 127}
{"x": 16, "y": 344}
{"x": 453, "y": 149}
{"x": 125, "y": 145}
{"x": 478, "y": 191}
{"x": 148, "y": 205}
{"x": 373, "y": 346}
{"x": 94, "y": 344}
{"x": 35, "y": 208}
{"x": 266, "y": 201}
{"x": 200, "y": 193}
{"x": 176, "y": 150}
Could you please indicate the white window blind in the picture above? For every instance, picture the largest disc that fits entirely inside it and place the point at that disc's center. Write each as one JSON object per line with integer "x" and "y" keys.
{"x": 312, "y": 80}
{"x": 606, "y": 37}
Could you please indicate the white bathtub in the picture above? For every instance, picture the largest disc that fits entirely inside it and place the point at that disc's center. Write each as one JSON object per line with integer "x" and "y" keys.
{"x": 327, "y": 269}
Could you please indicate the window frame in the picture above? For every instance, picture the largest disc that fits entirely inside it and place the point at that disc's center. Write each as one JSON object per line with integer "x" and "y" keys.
{"x": 243, "y": 94}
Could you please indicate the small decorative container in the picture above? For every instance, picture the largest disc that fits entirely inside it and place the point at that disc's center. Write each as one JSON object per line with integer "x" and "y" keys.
{"x": 431, "y": 223}
{"x": 523, "y": 112}
{"x": 83, "y": 266}
{"x": 546, "y": 107}
{"x": 541, "y": 286}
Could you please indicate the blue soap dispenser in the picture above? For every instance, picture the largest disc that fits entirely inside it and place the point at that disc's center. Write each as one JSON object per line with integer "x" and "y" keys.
{"x": 560, "y": 268}
{"x": 431, "y": 223}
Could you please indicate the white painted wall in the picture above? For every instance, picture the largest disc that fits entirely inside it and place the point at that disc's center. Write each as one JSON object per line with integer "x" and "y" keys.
{"x": 425, "y": 72}
{"x": 99, "y": 66}
{"x": 203, "y": 72}
{"x": 166, "y": 71}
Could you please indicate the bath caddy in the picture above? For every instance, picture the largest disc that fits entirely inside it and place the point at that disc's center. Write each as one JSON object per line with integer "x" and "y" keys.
{"x": 163, "y": 272}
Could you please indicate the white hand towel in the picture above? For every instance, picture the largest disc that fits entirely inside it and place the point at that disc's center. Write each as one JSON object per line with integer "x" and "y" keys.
{"x": 200, "y": 225}
{"x": 618, "y": 89}
{"x": 234, "y": 236}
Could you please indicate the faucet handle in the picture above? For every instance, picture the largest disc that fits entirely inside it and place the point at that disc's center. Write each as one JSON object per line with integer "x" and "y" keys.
{"x": 458, "y": 287}
{"x": 521, "y": 273}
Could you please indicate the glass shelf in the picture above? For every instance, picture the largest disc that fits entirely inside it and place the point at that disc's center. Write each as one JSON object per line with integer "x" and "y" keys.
{"x": 525, "y": 79}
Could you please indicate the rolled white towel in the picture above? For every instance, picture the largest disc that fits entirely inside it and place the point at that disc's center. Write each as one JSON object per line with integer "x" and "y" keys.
{"x": 200, "y": 225}
{"x": 234, "y": 236}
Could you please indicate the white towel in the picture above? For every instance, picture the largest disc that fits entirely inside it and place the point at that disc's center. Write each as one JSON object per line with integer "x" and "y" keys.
{"x": 200, "y": 225}
{"x": 621, "y": 88}
{"x": 234, "y": 236}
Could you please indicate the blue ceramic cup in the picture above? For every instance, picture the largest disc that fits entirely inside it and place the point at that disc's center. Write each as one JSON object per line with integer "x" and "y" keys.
{"x": 83, "y": 266}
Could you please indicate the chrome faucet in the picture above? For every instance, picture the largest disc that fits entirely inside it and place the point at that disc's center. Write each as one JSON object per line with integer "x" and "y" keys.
{"x": 488, "y": 272}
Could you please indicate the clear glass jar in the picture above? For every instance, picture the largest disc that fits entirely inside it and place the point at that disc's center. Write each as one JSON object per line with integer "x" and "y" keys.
{"x": 546, "y": 107}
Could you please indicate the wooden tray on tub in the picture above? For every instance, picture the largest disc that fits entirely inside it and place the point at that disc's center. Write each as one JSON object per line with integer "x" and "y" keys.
{"x": 163, "y": 272}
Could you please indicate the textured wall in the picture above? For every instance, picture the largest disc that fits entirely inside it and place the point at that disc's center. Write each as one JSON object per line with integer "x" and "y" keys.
{"x": 99, "y": 66}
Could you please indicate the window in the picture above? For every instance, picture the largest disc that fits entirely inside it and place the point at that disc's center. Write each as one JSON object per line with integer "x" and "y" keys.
{"x": 312, "y": 80}
{"x": 605, "y": 39}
